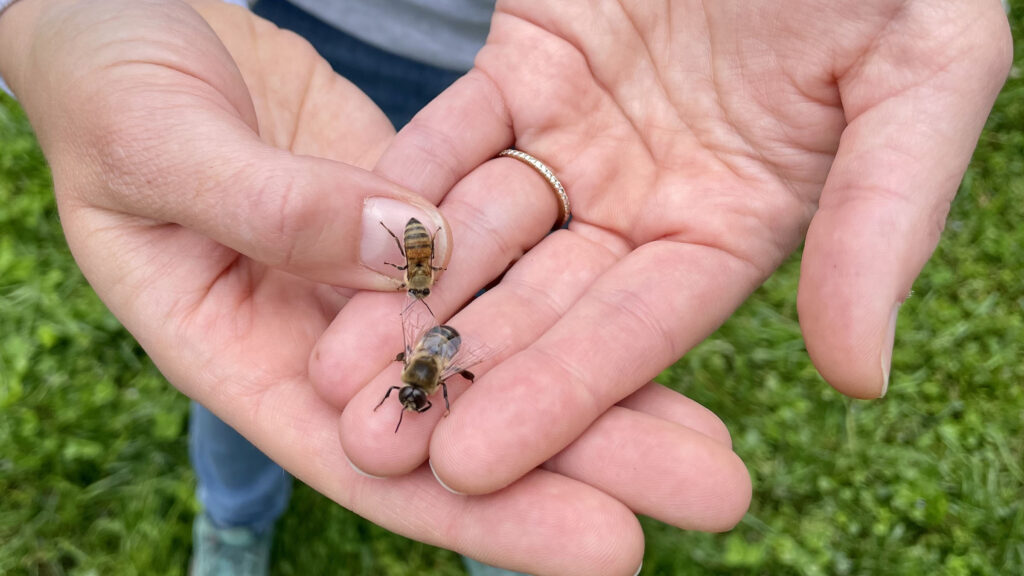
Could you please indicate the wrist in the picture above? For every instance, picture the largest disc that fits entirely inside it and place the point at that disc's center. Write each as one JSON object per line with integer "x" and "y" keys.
{"x": 17, "y": 21}
{"x": 4, "y": 4}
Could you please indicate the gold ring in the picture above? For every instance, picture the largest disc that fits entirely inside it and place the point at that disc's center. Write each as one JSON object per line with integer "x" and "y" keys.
{"x": 564, "y": 209}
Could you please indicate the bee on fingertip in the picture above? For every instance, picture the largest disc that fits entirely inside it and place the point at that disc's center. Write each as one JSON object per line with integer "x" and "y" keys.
{"x": 430, "y": 357}
{"x": 418, "y": 251}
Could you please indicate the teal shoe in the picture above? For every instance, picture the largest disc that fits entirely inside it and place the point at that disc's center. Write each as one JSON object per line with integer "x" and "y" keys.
{"x": 228, "y": 551}
{"x": 475, "y": 568}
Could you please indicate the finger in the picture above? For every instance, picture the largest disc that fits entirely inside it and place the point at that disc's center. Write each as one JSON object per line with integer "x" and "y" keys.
{"x": 545, "y": 524}
{"x": 530, "y": 298}
{"x": 495, "y": 214}
{"x": 463, "y": 127}
{"x": 884, "y": 205}
{"x": 662, "y": 469}
{"x": 311, "y": 217}
{"x": 634, "y": 320}
{"x": 667, "y": 404}
{"x": 172, "y": 138}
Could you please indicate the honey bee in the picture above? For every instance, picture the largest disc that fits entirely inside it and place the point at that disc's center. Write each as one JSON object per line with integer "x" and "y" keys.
{"x": 418, "y": 250}
{"x": 433, "y": 358}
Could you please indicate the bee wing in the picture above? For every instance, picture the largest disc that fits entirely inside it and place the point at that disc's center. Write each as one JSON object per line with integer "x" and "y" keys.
{"x": 415, "y": 324}
{"x": 470, "y": 354}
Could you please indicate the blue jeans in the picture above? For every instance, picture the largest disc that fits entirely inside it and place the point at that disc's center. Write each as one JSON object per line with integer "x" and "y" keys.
{"x": 237, "y": 484}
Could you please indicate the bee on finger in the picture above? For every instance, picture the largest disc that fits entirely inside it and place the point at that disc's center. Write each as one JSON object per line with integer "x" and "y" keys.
{"x": 418, "y": 251}
{"x": 431, "y": 357}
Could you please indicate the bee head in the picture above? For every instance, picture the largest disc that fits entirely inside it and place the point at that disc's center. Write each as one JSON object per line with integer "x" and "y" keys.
{"x": 413, "y": 398}
{"x": 420, "y": 292}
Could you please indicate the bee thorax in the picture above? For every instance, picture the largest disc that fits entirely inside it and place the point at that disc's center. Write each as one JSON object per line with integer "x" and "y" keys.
{"x": 422, "y": 372}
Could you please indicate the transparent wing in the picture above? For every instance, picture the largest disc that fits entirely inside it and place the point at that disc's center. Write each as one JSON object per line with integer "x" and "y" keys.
{"x": 416, "y": 320}
{"x": 471, "y": 353}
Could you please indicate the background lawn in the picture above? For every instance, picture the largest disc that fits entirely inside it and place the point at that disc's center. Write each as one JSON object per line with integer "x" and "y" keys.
{"x": 94, "y": 476}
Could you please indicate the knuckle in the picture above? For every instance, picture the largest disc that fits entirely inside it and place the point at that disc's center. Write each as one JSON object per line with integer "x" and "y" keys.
{"x": 276, "y": 215}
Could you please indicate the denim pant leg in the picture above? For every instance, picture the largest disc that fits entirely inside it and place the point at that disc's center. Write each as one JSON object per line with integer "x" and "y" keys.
{"x": 237, "y": 484}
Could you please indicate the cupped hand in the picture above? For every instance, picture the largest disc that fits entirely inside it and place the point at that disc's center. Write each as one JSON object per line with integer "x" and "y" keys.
{"x": 210, "y": 174}
{"x": 700, "y": 144}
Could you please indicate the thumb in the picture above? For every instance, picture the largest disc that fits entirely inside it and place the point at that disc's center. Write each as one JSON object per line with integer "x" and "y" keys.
{"x": 316, "y": 218}
{"x": 885, "y": 202}
{"x": 157, "y": 124}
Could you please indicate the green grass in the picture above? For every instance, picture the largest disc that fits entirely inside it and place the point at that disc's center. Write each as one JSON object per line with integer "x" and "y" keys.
{"x": 94, "y": 476}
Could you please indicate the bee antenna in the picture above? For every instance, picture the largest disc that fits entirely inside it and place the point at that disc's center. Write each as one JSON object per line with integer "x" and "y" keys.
{"x": 400, "y": 415}
{"x": 413, "y": 301}
{"x": 427, "y": 306}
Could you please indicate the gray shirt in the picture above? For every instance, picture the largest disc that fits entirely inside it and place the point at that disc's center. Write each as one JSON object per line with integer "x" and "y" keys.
{"x": 444, "y": 33}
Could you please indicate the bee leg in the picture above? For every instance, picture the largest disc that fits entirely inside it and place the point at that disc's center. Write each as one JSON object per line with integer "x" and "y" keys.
{"x": 397, "y": 241}
{"x": 444, "y": 390}
{"x": 386, "y": 397}
{"x": 467, "y": 375}
{"x": 432, "y": 267}
{"x": 397, "y": 266}
{"x": 399, "y": 358}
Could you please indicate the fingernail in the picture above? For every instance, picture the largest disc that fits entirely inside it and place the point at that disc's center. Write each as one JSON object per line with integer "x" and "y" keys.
{"x": 637, "y": 573}
{"x": 378, "y": 247}
{"x": 887, "y": 346}
{"x": 441, "y": 482}
{"x": 361, "y": 473}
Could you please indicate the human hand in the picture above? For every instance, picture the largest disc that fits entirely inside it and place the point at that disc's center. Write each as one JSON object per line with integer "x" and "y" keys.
{"x": 699, "y": 145}
{"x": 210, "y": 187}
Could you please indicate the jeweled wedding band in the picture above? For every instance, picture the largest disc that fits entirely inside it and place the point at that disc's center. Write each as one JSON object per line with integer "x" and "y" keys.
{"x": 564, "y": 209}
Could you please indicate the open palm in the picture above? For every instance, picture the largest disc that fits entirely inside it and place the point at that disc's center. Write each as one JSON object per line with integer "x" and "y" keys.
{"x": 700, "y": 145}
{"x": 210, "y": 173}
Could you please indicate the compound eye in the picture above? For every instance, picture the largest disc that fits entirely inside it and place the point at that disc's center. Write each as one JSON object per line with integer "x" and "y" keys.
{"x": 405, "y": 395}
{"x": 413, "y": 398}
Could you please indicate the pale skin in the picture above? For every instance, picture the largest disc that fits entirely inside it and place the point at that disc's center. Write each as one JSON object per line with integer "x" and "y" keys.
{"x": 700, "y": 143}
{"x": 211, "y": 189}
{"x": 688, "y": 188}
